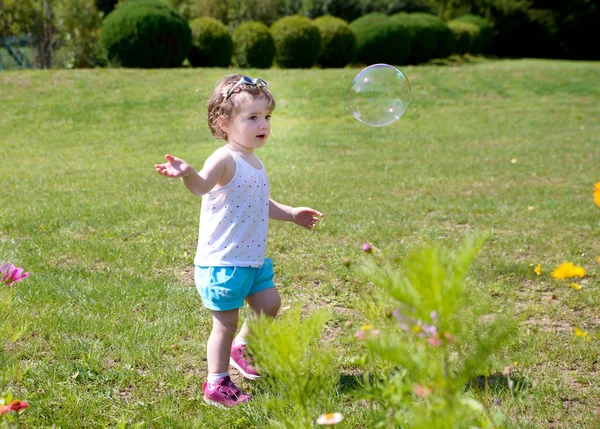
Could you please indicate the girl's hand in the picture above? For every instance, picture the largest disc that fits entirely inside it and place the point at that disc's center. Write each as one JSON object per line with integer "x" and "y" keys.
{"x": 306, "y": 217}
{"x": 174, "y": 167}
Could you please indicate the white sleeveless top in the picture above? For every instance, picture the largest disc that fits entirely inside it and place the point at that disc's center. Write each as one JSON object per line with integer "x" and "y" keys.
{"x": 234, "y": 219}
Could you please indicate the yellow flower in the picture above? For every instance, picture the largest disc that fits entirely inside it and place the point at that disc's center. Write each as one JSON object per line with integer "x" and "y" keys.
{"x": 366, "y": 327}
{"x": 598, "y": 259}
{"x": 580, "y": 333}
{"x": 330, "y": 419}
{"x": 597, "y": 193}
{"x": 538, "y": 269}
{"x": 568, "y": 270}
{"x": 575, "y": 286}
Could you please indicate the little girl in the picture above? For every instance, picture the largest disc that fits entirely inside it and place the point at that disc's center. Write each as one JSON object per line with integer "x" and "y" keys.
{"x": 236, "y": 207}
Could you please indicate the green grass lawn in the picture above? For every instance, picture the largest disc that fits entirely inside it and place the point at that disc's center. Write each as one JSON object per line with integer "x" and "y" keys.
{"x": 113, "y": 327}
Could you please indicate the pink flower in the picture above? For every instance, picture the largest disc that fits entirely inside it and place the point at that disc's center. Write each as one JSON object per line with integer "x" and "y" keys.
{"x": 434, "y": 341}
{"x": 366, "y": 332}
{"x": 11, "y": 274}
{"x": 15, "y": 405}
{"x": 422, "y": 391}
{"x": 430, "y": 330}
{"x": 410, "y": 324}
{"x": 367, "y": 248}
{"x": 18, "y": 405}
{"x": 508, "y": 371}
{"x": 449, "y": 337}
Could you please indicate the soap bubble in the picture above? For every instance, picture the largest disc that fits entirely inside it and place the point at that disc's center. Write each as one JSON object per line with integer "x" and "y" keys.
{"x": 379, "y": 95}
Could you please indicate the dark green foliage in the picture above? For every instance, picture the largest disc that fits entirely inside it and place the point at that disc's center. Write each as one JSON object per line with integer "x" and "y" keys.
{"x": 543, "y": 28}
{"x": 106, "y": 6}
{"x": 145, "y": 34}
{"x": 381, "y": 39}
{"x": 486, "y": 27}
{"x": 212, "y": 45}
{"x": 297, "y": 42}
{"x": 390, "y": 7}
{"x": 423, "y": 36}
{"x": 338, "y": 42}
{"x": 348, "y": 10}
{"x": 577, "y": 24}
{"x": 522, "y": 33}
{"x": 253, "y": 45}
{"x": 465, "y": 33}
{"x": 445, "y": 38}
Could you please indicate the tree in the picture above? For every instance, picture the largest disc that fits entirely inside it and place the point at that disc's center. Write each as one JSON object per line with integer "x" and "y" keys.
{"x": 16, "y": 17}
{"x": 35, "y": 18}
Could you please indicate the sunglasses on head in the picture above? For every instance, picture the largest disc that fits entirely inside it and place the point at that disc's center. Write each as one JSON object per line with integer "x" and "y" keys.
{"x": 245, "y": 80}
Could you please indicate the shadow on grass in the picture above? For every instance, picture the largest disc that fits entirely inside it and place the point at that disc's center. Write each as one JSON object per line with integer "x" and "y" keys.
{"x": 497, "y": 383}
{"x": 349, "y": 383}
{"x": 468, "y": 59}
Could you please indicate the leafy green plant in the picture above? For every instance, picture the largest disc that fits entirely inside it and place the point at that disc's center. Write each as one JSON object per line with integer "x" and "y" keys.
{"x": 430, "y": 333}
{"x": 300, "y": 368}
{"x": 10, "y": 409}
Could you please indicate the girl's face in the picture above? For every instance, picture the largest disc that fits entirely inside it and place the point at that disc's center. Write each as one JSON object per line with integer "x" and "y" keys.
{"x": 249, "y": 128}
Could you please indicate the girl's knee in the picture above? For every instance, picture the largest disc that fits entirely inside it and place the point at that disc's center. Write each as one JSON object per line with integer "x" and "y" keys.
{"x": 225, "y": 321}
{"x": 271, "y": 307}
{"x": 276, "y": 304}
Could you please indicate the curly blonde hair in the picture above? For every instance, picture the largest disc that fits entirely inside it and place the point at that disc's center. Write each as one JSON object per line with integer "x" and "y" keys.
{"x": 222, "y": 107}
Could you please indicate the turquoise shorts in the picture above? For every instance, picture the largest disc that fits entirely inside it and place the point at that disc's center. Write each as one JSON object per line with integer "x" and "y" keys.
{"x": 226, "y": 288}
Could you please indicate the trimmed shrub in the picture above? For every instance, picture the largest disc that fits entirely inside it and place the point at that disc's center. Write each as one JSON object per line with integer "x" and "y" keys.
{"x": 445, "y": 38}
{"x": 423, "y": 36}
{"x": 486, "y": 28}
{"x": 465, "y": 33}
{"x": 338, "y": 42}
{"x": 145, "y": 34}
{"x": 381, "y": 39}
{"x": 297, "y": 42}
{"x": 253, "y": 45}
{"x": 212, "y": 45}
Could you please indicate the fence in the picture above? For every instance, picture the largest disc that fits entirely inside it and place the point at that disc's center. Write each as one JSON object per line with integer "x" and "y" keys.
{"x": 17, "y": 53}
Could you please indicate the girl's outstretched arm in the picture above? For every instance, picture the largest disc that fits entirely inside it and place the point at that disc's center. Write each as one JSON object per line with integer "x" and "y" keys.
{"x": 303, "y": 216}
{"x": 197, "y": 183}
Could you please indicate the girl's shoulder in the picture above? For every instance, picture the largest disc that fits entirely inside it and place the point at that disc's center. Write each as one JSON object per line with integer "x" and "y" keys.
{"x": 221, "y": 159}
{"x": 223, "y": 154}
